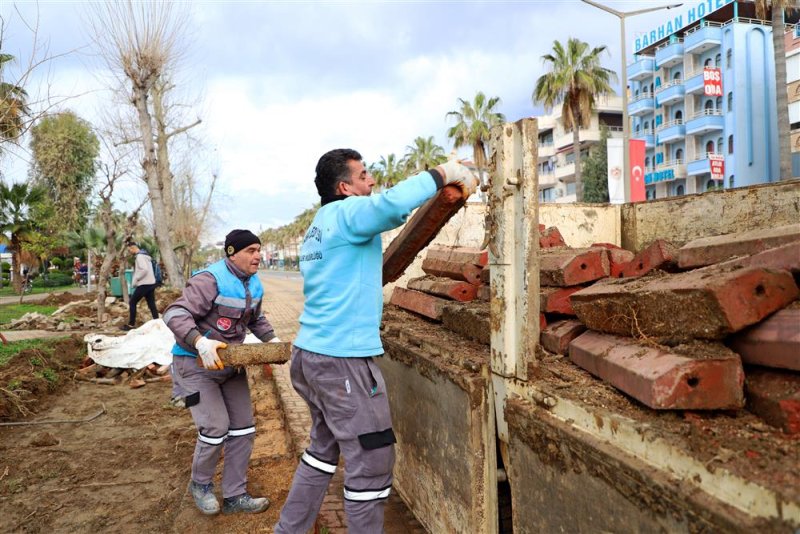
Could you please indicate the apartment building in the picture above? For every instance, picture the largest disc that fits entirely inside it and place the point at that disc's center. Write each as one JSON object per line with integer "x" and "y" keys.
{"x": 556, "y": 164}
{"x": 792, "y": 41}
{"x": 703, "y": 92}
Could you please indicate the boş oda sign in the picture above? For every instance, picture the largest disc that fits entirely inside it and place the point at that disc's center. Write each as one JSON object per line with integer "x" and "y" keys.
{"x": 712, "y": 81}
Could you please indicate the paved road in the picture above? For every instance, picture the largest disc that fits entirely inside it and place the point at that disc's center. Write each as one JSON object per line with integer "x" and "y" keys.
{"x": 283, "y": 304}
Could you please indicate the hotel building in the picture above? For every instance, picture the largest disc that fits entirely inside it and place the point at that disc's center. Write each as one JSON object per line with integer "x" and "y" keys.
{"x": 685, "y": 120}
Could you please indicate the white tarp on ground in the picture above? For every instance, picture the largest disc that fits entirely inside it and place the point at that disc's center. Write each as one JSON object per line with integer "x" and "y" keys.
{"x": 150, "y": 343}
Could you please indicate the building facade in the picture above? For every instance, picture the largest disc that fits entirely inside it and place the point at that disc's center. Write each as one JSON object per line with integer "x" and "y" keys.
{"x": 556, "y": 164}
{"x": 792, "y": 43}
{"x": 691, "y": 121}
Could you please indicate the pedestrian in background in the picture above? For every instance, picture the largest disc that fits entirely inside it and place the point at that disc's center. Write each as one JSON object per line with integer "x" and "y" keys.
{"x": 144, "y": 283}
{"x": 217, "y": 306}
{"x": 332, "y": 365}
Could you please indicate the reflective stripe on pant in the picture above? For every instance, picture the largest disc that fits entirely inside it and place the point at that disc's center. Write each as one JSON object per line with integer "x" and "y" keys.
{"x": 347, "y": 399}
{"x": 223, "y": 416}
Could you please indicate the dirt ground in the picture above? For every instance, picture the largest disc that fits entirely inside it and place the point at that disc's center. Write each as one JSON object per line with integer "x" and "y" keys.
{"x": 127, "y": 470}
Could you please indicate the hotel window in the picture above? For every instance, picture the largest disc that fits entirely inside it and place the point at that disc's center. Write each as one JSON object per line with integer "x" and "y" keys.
{"x": 637, "y": 129}
{"x": 728, "y": 58}
{"x": 646, "y": 126}
{"x": 730, "y": 101}
{"x": 719, "y": 145}
{"x": 718, "y": 60}
{"x": 711, "y": 185}
{"x": 676, "y": 76}
{"x": 651, "y": 88}
{"x": 651, "y": 193}
{"x": 678, "y": 115}
{"x": 710, "y": 147}
{"x": 730, "y": 181}
{"x": 730, "y": 145}
{"x": 709, "y": 105}
{"x": 679, "y": 154}
{"x": 718, "y": 107}
{"x": 679, "y": 190}
{"x": 707, "y": 62}
{"x": 647, "y": 162}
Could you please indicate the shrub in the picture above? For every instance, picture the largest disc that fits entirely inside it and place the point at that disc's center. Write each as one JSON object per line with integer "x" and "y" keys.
{"x": 54, "y": 279}
{"x": 58, "y": 262}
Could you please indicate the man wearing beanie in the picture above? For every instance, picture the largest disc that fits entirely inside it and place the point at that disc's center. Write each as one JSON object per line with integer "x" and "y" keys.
{"x": 216, "y": 307}
{"x": 332, "y": 365}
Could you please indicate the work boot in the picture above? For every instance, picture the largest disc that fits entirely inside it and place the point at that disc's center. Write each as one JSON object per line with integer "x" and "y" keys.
{"x": 204, "y": 497}
{"x": 244, "y": 503}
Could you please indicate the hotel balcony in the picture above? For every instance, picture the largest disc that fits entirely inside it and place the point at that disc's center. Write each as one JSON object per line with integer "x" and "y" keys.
{"x": 676, "y": 168}
{"x": 670, "y": 92}
{"x": 693, "y": 82}
{"x": 671, "y": 131}
{"x": 669, "y": 55}
{"x": 641, "y": 69}
{"x": 707, "y": 120}
{"x": 547, "y": 178}
{"x": 546, "y": 150}
{"x": 701, "y": 165}
{"x": 643, "y": 104}
{"x": 702, "y": 38}
{"x": 647, "y": 136}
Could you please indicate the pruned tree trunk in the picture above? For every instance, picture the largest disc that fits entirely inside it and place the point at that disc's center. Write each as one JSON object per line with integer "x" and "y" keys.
{"x": 108, "y": 258}
{"x": 784, "y": 137}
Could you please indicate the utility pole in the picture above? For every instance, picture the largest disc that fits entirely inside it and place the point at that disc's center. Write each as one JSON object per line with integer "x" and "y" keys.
{"x": 626, "y": 127}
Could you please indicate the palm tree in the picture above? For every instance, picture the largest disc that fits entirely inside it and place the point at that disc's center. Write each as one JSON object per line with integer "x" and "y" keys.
{"x": 575, "y": 80}
{"x": 423, "y": 154}
{"x": 390, "y": 170}
{"x": 16, "y": 222}
{"x": 13, "y": 108}
{"x": 779, "y": 48}
{"x": 474, "y": 122}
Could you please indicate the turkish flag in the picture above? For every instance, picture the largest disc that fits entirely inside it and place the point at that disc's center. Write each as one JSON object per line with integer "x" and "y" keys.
{"x": 637, "y": 170}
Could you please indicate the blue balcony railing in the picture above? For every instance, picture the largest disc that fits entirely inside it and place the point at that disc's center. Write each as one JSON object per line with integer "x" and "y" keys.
{"x": 641, "y": 69}
{"x": 671, "y": 131}
{"x": 701, "y": 38}
{"x": 669, "y": 54}
{"x": 642, "y": 104}
{"x": 702, "y": 165}
{"x": 693, "y": 83}
{"x": 670, "y": 93}
{"x": 707, "y": 120}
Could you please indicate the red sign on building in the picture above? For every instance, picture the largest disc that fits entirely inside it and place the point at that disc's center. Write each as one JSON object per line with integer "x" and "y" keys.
{"x": 717, "y": 166}
{"x": 712, "y": 81}
{"x": 637, "y": 150}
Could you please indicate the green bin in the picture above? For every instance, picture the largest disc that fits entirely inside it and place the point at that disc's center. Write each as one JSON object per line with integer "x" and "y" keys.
{"x": 116, "y": 286}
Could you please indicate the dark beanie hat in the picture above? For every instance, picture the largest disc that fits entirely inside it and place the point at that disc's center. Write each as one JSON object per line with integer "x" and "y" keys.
{"x": 236, "y": 240}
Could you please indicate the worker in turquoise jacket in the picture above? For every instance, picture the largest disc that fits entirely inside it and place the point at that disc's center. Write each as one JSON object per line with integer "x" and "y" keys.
{"x": 332, "y": 364}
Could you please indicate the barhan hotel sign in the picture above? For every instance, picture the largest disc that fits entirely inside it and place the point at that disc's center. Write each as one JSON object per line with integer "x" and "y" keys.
{"x": 693, "y": 14}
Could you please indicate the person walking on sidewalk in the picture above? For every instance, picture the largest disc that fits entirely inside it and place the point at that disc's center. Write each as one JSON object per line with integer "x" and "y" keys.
{"x": 332, "y": 365}
{"x": 144, "y": 283}
{"x": 216, "y": 307}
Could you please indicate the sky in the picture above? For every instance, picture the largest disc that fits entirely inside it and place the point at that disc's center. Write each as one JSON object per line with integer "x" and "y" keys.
{"x": 277, "y": 84}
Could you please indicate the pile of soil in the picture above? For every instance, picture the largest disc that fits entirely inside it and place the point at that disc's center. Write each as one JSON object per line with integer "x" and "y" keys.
{"x": 32, "y": 376}
{"x": 59, "y": 299}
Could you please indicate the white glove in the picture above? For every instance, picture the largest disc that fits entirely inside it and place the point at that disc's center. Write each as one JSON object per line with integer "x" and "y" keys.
{"x": 455, "y": 173}
{"x": 207, "y": 350}
{"x": 275, "y": 339}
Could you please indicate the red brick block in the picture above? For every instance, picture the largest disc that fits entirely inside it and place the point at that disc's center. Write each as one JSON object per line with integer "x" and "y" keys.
{"x": 556, "y": 299}
{"x": 618, "y": 257}
{"x": 557, "y": 336}
{"x": 542, "y": 322}
{"x": 485, "y": 293}
{"x": 774, "y": 342}
{"x": 571, "y": 267}
{"x": 449, "y": 269}
{"x": 659, "y": 254}
{"x": 709, "y": 377}
{"x": 417, "y": 302}
{"x": 702, "y": 304}
{"x": 775, "y": 397}
{"x": 709, "y": 250}
{"x": 550, "y": 238}
{"x": 445, "y": 287}
{"x": 459, "y": 255}
{"x": 785, "y": 257}
{"x": 420, "y": 230}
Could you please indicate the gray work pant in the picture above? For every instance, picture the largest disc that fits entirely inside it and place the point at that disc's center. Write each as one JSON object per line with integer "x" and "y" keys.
{"x": 223, "y": 414}
{"x": 349, "y": 414}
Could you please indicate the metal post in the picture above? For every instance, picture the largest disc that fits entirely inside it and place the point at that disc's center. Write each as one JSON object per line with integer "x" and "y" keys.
{"x": 88, "y": 270}
{"x": 626, "y": 129}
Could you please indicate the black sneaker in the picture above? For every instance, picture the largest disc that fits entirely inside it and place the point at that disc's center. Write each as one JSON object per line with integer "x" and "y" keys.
{"x": 126, "y": 327}
{"x": 244, "y": 503}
